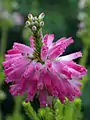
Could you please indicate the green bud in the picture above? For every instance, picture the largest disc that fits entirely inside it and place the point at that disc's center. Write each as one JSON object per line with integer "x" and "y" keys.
{"x": 30, "y": 16}
{"x": 34, "y": 28}
{"x": 27, "y": 23}
{"x": 41, "y": 16}
{"x": 35, "y": 18}
{"x": 42, "y": 23}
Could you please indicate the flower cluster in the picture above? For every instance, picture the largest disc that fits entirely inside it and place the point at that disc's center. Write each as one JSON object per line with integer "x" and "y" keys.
{"x": 52, "y": 75}
{"x": 35, "y": 23}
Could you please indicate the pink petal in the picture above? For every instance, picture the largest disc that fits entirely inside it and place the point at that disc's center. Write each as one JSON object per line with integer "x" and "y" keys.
{"x": 58, "y": 48}
{"x": 64, "y": 42}
{"x": 62, "y": 98}
{"x": 43, "y": 98}
{"x": 23, "y": 48}
{"x": 76, "y": 67}
{"x": 48, "y": 38}
{"x": 49, "y": 100}
{"x": 40, "y": 84}
{"x": 48, "y": 64}
{"x": 70, "y": 56}
{"x": 28, "y": 78}
{"x": 44, "y": 52}
{"x": 32, "y": 45}
{"x": 15, "y": 70}
{"x": 75, "y": 89}
{"x": 10, "y": 56}
{"x": 8, "y": 63}
{"x": 14, "y": 89}
{"x": 29, "y": 71}
{"x": 38, "y": 66}
{"x": 15, "y": 62}
{"x": 47, "y": 80}
{"x": 76, "y": 82}
{"x": 62, "y": 69}
{"x": 7, "y": 80}
{"x": 13, "y": 51}
{"x": 31, "y": 90}
{"x": 75, "y": 74}
{"x": 55, "y": 53}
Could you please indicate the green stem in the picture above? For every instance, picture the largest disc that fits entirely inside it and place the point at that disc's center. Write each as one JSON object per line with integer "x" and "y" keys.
{"x": 38, "y": 40}
{"x": 38, "y": 44}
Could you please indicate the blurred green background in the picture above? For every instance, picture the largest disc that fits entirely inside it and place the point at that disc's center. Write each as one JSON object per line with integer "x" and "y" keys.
{"x": 63, "y": 18}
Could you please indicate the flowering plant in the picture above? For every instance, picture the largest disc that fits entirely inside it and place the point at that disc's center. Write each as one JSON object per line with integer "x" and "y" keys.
{"x": 39, "y": 69}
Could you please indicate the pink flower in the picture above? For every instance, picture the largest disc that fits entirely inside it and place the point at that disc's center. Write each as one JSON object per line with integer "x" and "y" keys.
{"x": 49, "y": 76}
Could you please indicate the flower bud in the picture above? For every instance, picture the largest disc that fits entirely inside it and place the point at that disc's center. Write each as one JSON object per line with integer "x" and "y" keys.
{"x": 34, "y": 28}
{"x": 42, "y": 23}
{"x": 41, "y": 16}
{"x": 36, "y": 23}
{"x": 30, "y": 16}
{"x": 27, "y": 23}
{"x": 35, "y": 18}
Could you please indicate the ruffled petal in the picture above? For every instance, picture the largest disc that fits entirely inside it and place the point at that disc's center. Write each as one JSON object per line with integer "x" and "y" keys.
{"x": 14, "y": 68}
{"x": 10, "y": 56}
{"x": 62, "y": 69}
{"x": 40, "y": 83}
{"x": 32, "y": 88}
{"x": 44, "y": 52}
{"x": 43, "y": 98}
{"x": 23, "y": 48}
{"x": 14, "y": 89}
{"x": 47, "y": 40}
{"x": 58, "y": 48}
{"x": 70, "y": 56}
{"x": 79, "y": 68}
{"x": 13, "y": 51}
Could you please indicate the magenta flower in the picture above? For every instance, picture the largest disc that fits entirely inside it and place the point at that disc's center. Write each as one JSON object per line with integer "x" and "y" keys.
{"x": 50, "y": 75}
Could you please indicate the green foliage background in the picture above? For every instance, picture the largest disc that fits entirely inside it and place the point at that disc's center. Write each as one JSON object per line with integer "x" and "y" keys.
{"x": 62, "y": 20}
